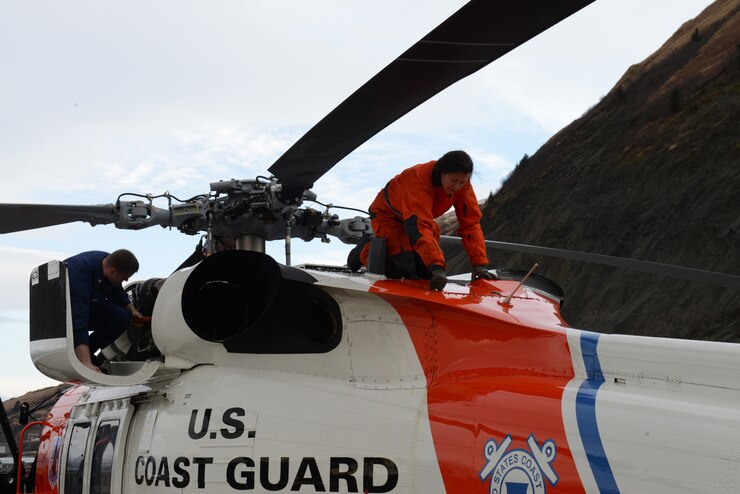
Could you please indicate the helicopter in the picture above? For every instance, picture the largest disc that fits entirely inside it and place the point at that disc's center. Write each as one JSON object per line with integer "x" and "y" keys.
{"x": 267, "y": 377}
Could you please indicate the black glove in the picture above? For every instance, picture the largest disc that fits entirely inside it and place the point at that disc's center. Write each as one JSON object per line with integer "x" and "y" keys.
{"x": 439, "y": 278}
{"x": 481, "y": 272}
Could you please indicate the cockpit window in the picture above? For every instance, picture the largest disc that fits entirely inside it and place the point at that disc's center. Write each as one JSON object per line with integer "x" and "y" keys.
{"x": 101, "y": 472}
{"x": 73, "y": 473}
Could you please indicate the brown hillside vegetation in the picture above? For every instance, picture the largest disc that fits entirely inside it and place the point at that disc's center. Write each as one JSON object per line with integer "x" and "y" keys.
{"x": 651, "y": 172}
{"x": 44, "y": 399}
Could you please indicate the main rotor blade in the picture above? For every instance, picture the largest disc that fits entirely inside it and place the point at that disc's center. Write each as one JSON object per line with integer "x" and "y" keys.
{"x": 19, "y": 217}
{"x": 477, "y": 34}
{"x": 670, "y": 270}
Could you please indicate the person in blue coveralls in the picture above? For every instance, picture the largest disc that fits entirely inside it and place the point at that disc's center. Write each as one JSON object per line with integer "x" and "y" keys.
{"x": 101, "y": 310}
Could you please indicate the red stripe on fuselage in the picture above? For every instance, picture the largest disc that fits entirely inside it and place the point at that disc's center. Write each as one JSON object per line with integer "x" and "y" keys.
{"x": 491, "y": 370}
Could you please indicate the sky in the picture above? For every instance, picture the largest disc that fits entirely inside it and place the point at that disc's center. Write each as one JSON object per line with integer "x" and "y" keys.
{"x": 103, "y": 98}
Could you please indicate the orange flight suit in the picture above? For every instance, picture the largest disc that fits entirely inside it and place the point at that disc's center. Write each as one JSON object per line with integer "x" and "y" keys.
{"x": 403, "y": 213}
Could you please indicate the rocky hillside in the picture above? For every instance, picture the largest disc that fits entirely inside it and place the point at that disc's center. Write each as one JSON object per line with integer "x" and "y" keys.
{"x": 651, "y": 172}
{"x": 41, "y": 401}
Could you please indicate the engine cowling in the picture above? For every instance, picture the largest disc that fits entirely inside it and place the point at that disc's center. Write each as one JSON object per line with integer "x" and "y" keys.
{"x": 242, "y": 302}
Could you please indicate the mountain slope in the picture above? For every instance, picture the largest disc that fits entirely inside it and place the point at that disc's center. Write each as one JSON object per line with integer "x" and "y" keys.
{"x": 650, "y": 172}
{"x": 41, "y": 401}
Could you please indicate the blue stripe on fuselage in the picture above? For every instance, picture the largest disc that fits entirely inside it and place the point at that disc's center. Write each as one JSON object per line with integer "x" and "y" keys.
{"x": 586, "y": 416}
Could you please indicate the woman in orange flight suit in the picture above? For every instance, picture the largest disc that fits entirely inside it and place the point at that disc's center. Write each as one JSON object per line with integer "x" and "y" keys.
{"x": 404, "y": 211}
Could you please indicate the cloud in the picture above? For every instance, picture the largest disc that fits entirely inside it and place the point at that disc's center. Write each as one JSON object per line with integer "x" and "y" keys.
{"x": 183, "y": 160}
{"x": 11, "y": 320}
{"x": 18, "y": 372}
{"x": 16, "y": 265}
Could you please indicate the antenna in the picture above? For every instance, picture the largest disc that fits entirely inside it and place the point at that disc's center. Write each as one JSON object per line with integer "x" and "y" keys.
{"x": 507, "y": 300}
{"x": 287, "y": 244}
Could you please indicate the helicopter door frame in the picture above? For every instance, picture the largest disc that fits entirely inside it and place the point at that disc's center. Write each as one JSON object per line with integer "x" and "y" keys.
{"x": 116, "y": 413}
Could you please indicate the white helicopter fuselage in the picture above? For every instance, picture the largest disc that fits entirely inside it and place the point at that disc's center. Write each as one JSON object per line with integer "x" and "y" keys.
{"x": 423, "y": 391}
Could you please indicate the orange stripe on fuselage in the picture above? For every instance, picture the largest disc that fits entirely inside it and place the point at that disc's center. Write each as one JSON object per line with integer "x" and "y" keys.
{"x": 491, "y": 371}
{"x": 47, "y": 459}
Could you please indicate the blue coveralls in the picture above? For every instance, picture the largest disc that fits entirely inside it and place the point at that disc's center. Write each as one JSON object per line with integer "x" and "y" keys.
{"x": 97, "y": 304}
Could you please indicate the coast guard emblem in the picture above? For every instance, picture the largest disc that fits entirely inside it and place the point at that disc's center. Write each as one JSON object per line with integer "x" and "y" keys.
{"x": 518, "y": 471}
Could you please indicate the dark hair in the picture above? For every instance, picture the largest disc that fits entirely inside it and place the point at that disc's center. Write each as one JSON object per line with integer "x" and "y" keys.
{"x": 455, "y": 162}
{"x": 123, "y": 260}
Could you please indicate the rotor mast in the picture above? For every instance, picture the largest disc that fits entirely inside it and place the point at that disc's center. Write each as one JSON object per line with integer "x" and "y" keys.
{"x": 250, "y": 241}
